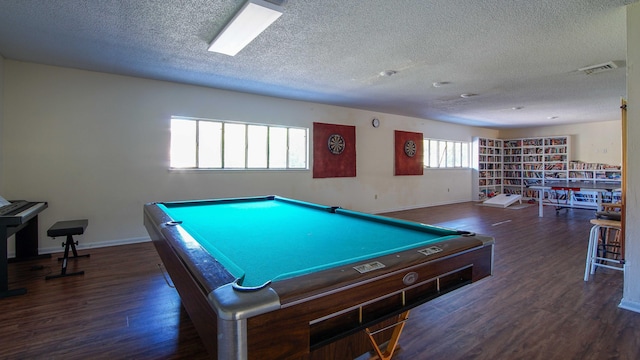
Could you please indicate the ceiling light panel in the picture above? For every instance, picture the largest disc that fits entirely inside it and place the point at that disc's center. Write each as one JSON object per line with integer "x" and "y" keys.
{"x": 254, "y": 17}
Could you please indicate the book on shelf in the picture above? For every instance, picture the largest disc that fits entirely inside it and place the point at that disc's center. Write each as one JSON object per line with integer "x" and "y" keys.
{"x": 579, "y": 165}
{"x": 532, "y": 142}
{"x": 556, "y": 141}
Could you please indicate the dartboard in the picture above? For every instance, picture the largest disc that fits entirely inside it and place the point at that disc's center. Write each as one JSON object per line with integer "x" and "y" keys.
{"x": 336, "y": 144}
{"x": 410, "y": 148}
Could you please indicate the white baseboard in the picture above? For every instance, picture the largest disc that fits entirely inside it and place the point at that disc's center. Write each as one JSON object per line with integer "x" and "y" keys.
{"x": 629, "y": 305}
{"x": 93, "y": 245}
{"x": 420, "y": 206}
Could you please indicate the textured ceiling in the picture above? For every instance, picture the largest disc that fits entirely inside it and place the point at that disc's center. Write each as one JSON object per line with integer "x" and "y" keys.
{"x": 519, "y": 57}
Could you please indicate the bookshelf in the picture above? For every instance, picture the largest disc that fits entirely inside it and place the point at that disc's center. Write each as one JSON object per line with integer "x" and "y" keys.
{"x": 533, "y": 161}
{"x": 487, "y": 168}
{"x": 539, "y": 161}
{"x": 512, "y": 167}
{"x": 556, "y": 157}
{"x": 594, "y": 172}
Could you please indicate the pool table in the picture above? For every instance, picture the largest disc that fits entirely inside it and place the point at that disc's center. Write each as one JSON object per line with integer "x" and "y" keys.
{"x": 276, "y": 278}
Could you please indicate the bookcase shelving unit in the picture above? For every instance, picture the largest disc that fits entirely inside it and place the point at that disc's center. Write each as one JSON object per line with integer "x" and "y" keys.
{"x": 594, "y": 172}
{"x": 556, "y": 157}
{"x": 512, "y": 167}
{"x": 533, "y": 161}
{"x": 487, "y": 167}
{"x": 539, "y": 161}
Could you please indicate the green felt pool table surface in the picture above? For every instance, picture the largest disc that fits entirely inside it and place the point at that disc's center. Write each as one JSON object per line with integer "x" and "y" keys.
{"x": 271, "y": 238}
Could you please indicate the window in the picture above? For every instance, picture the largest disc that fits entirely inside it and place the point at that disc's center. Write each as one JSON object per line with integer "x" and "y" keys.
{"x": 446, "y": 154}
{"x": 211, "y": 144}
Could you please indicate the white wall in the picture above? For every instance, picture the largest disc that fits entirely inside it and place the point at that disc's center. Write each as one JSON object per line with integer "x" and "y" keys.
{"x": 631, "y": 295}
{"x": 598, "y": 142}
{"x": 96, "y": 146}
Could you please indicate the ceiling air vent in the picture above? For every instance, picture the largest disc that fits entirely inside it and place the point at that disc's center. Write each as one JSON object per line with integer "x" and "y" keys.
{"x": 599, "y": 68}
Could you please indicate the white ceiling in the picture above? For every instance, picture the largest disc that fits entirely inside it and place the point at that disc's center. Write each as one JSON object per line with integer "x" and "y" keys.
{"x": 510, "y": 53}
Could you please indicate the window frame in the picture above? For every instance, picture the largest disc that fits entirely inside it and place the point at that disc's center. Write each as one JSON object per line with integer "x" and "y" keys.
{"x": 197, "y": 139}
{"x": 454, "y": 152}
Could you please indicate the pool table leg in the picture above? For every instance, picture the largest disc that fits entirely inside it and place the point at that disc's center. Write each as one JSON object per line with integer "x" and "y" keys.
{"x": 233, "y": 309}
{"x": 387, "y": 354}
{"x": 232, "y": 339}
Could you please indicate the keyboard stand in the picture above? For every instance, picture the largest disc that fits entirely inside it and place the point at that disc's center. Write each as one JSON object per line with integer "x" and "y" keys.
{"x": 14, "y": 292}
{"x": 4, "y": 271}
{"x": 25, "y": 227}
{"x": 27, "y": 243}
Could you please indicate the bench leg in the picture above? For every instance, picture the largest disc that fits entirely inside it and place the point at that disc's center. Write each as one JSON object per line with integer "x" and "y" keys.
{"x": 73, "y": 249}
{"x": 65, "y": 258}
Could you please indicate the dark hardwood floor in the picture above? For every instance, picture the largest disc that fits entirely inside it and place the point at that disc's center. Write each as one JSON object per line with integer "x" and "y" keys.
{"x": 535, "y": 306}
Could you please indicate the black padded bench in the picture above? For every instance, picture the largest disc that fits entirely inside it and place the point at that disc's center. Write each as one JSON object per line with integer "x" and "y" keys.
{"x": 68, "y": 229}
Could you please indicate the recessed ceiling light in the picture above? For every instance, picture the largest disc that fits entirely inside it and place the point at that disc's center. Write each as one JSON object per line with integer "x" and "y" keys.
{"x": 611, "y": 65}
{"x": 517, "y": 108}
{"x": 388, "y": 73}
{"x": 552, "y": 117}
{"x": 467, "y": 95}
{"x": 440, "y": 83}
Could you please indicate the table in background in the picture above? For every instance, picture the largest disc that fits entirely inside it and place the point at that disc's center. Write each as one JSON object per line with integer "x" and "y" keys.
{"x": 268, "y": 277}
{"x": 570, "y": 187}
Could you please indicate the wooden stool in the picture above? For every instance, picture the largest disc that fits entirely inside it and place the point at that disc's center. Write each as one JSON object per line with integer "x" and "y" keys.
{"x": 600, "y": 238}
{"x": 609, "y": 211}
{"x": 611, "y": 206}
{"x": 392, "y": 345}
{"x": 68, "y": 229}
